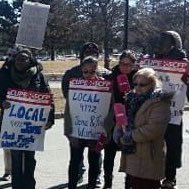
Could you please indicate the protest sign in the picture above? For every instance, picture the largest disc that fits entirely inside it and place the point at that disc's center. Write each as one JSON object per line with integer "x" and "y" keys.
{"x": 32, "y": 25}
{"x": 170, "y": 73}
{"x": 89, "y": 102}
{"x": 23, "y": 123}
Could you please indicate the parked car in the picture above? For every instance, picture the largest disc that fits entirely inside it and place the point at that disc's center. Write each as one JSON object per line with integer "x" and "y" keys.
{"x": 70, "y": 57}
{"x": 3, "y": 58}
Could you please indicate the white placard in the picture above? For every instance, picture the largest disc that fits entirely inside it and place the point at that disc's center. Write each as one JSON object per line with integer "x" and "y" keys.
{"x": 89, "y": 102}
{"x": 170, "y": 73}
{"x": 23, "y": 123}
{"x": 32, "y": 25}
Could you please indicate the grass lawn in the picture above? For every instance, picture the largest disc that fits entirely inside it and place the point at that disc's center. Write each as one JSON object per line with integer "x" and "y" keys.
{"x": 58, "y": 100}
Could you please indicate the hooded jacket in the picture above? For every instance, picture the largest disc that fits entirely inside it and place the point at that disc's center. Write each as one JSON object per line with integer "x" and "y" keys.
{"x": 176, "y": 52}
{"x": 38, "y": 83}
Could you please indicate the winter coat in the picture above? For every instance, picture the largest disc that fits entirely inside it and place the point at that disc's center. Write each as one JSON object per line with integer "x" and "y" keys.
{"x": 38, "y": 83}
{"x": 76, "y": 72}
{"x": 150, "y": 122}
{"x": 118, "y": 96}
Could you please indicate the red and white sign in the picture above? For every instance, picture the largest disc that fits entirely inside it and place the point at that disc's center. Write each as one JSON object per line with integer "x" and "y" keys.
{"x": 123, "y": 83}
{"x": 170, "y": 73}
{"x": 120, "y": 114}
{"x": 23, "y": 123}
{"x": 89, "y": 102}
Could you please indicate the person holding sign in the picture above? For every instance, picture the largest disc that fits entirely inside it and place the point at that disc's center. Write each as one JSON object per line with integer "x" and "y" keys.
{"x": 88, "y": 49}
{"x": 170, "y": 47}
{"x": 88, "y": 120}
{"x": 148, "y": 112}
{"x": 23, "y": 74}
{"x": 122, "y": 83}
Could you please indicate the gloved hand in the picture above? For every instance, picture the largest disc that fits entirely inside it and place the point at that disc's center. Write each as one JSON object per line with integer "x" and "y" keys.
{"x": 48, "y": 125}
{"x": 128, "y": 146}
{"x": 127, "y": 139}
{"x": 117, "y": 134}
{"x": 6, "y": 104}
{"x": 100, "y": 143}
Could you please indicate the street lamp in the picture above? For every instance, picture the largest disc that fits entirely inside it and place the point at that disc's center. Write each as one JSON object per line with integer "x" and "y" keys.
{"x": 184, "y": 23}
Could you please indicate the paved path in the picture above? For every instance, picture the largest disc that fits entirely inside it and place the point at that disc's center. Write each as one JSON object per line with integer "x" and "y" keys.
{"x": 51, "y": 170}
{"x": 55, "y": 84}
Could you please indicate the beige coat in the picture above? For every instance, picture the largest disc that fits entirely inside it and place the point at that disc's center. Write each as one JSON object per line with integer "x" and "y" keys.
{"x": 150, "y": 125}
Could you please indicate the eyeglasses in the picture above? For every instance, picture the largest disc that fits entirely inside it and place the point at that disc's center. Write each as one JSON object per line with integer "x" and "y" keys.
{"x": 141, "y": 84}
{"x": 88, "y": 72}
{"x": 125, "y": 64}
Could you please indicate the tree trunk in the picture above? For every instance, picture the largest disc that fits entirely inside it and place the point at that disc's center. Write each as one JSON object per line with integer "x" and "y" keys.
{"x": 106, "y": 49}
{"x": 52, "y": 53}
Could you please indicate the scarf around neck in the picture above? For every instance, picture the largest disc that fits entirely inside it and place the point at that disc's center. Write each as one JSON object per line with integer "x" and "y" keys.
{"x": 23, "y": 79}
{"x": 134, "y": 102}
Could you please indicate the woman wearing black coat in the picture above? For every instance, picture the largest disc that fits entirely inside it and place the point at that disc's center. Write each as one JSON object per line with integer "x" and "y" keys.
{"x": 23, "y": 72}
{"x": 126, "y": 67}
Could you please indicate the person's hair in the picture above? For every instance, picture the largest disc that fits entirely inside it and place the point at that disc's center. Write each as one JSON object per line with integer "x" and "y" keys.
{"x": 128, "y": 54}
{"x": 150, "y": 75}
{"x": 89, "y": 60}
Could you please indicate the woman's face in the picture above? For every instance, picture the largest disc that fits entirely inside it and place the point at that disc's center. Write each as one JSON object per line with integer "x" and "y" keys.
{"x": 142, "y": 85}
{"x": 22, "y": 62}
{"x": 165, "y": 44}
{"x": 126, "y": 66}
{"x": 89, "y": 71}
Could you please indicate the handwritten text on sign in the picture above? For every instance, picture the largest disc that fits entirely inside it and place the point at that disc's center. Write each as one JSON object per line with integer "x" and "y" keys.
{"x": 89, "y": 102}
{"x": 170, "y": 73}
{"x": 22, "y": 126}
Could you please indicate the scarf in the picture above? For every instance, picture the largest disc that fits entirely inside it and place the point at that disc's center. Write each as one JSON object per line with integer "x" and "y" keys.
{"x": 134, "y": 102}
{"x": 23, "y": 79}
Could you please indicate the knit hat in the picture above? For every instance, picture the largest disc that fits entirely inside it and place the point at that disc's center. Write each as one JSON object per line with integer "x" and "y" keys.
{"x": 89, "y": 60}
{"x": 90, "y": 49}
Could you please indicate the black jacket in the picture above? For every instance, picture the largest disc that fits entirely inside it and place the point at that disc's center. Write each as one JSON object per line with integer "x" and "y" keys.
{"x": 38, "y": 84}
{"x": 174, "y": 54}
{"x": 76, "y": 72}
{"x": 118, "y": 96}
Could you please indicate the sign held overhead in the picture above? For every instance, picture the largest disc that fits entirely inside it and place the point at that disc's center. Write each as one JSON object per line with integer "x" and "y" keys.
{"x": 32, "y": 25}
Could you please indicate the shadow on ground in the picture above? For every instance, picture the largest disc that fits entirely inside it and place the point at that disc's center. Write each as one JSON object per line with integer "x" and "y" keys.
{"x": 3, "y": 186}
{"x": 61, "y": 186}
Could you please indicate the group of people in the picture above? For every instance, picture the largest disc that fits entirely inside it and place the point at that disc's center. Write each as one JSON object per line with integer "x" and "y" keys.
{"x": 145, "y": 159}
{"x": 22, "y": 71}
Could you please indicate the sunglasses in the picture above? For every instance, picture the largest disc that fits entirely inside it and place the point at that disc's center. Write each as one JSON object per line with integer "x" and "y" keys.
{"x": 141, "y": 84}
{"x": 125, "y": 64}
{"x": 88, "y": 72}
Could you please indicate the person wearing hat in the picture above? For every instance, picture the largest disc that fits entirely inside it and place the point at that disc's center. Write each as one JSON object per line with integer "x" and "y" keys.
{"x": 77, "y": 144}
{"x": 170, "y": 47}
{"x": 88, "y": 49}
{"x": 23, "y": 73}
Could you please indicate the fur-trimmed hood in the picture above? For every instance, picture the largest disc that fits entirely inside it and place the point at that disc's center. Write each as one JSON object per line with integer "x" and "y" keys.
{"x": 176, "y": 37}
